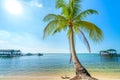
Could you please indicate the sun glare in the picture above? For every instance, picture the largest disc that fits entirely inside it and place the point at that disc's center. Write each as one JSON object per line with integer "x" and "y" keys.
{"x": 13, "y": 7}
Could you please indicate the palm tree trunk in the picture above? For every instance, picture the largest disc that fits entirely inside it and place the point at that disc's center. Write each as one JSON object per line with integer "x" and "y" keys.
{"x": 80, "y": 70}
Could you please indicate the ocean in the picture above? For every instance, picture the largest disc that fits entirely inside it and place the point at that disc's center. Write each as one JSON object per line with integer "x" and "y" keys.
{"x": 55, "y": 63}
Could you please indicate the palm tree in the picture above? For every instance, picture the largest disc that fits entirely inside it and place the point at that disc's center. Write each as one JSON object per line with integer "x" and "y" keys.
{"x": 72, "y": 20}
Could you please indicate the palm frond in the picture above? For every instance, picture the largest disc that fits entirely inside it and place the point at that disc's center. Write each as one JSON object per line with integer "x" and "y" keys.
{"x": 61, "y": 4}
{"x": 85, "y": 40}
{"x": 94, "y": 32}
{"x": 58, "y": 23}
{"x": 62, "y": 25}
{"x": 50, "y": 28}
{"x": 85, "y": 14}
{"x": 50, "y": 17}
{"x": 65, "y": 11}
{"x": 75, "y": 7}
{"x": 60, "y": 17}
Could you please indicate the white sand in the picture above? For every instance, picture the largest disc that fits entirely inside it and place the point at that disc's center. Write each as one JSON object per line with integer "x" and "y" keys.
{"x": 98, "y": 75}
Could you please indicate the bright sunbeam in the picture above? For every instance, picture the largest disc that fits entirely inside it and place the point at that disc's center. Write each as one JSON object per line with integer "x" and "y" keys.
{"x": 13, "y": 6}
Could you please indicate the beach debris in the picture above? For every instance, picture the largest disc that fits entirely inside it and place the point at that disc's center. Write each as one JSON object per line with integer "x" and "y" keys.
{"x": 65, "y": 77}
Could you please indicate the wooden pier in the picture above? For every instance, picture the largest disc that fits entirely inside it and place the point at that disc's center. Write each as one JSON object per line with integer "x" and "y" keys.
{"x": 10, "y": 52}
{"x": 109, "y": 52}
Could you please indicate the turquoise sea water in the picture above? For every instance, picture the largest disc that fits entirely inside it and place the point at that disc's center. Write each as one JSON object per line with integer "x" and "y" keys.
{"x": 27, "y": 65}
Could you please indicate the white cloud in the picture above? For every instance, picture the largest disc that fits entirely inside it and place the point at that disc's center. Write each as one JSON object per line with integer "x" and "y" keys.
{"x": 25, "y": 42}
{"x": 4, "y": 34}
{"x": 2, "y": 41}
{"x": 36, "y": 3}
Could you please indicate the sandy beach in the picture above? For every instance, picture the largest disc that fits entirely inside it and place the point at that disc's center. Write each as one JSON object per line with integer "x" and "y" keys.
{"x": 48, "y": 78}
{"x": 98, "y": 75}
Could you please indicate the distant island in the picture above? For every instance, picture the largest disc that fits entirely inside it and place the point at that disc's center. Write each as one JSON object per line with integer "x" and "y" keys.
{"x": 30, "y": 54}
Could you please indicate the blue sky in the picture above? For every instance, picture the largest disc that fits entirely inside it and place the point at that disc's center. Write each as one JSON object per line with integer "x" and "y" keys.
{"x": 21, "y": 26}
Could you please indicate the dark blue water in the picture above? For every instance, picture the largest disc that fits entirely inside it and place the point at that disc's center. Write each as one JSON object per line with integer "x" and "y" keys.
{"x": 56, "y": 62}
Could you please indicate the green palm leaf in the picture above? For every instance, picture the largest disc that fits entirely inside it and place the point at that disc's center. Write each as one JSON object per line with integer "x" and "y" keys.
{"x": 64, "y": 6}
{"x": 75, "y": 7}
{"x": 56, "y": 24}
{"x": 94, "y": 32}
{"x": 60, "y": 26}
{"x": 49, "y": 29}
{"x": 85, "y": 14}
{"x": 50, "y": 17}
